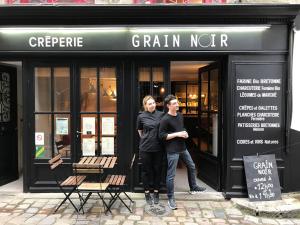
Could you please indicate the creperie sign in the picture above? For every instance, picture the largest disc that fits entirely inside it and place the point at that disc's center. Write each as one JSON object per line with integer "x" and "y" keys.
{"x": 53, "y": 41}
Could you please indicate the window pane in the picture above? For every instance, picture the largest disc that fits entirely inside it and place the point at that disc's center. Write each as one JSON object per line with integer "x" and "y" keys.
{"x": 158, "y": 86}
{"x": 89, "y": 135}
{"x": 61, "y": 89}
{"x": 42, "y": 89}
{"x": 204, "y": 91}
{"x": 88, "y": 89}
{"x": 214, "y": 90}
{"x": 62, "y": 135}
{"x": 158, "y": 74}
{"x": 214, "y": 133}
{"x": 108, "y": 90}
{"x": 43, "y": 136}
{"x": 144, "y": 83}
{"x": 204, "y": 132}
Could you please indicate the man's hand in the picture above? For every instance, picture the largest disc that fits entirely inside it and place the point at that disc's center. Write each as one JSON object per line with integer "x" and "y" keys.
{"x": 182, "y": 134}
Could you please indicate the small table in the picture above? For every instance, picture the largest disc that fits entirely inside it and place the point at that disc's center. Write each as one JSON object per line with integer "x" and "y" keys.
{"x": 94, "y": 165}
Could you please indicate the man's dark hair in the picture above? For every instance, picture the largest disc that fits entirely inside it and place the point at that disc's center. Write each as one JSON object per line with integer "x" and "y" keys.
{"x": 169, "y": 98}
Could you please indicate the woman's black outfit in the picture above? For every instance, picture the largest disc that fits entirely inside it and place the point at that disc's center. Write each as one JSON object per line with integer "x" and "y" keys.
{"x": 151, "y": 149}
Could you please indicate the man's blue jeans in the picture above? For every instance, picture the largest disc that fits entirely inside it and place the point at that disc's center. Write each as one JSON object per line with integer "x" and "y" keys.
{"x": 172, "y": 165}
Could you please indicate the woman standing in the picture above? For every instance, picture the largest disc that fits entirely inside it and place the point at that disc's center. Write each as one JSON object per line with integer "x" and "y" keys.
{"x": 150, "y": 148}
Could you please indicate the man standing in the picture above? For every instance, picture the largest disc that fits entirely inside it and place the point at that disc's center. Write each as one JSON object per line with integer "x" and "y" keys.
{"x": 173, "y": 133}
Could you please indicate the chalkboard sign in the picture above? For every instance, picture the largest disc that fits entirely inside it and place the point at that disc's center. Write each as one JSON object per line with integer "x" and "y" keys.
{"x": 258, "y": 116}
{"x": 262, "y": 178}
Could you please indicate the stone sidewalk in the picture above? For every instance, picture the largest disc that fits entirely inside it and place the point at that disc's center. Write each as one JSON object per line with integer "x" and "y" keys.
{"x": 205, "y": 208}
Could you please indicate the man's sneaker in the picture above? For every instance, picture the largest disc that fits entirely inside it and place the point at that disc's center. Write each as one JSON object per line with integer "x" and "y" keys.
{"x": 148, "y": 198}
{"x": 156, "y": 197}
{"x": 196, "y": 190}
{"x": 172, "y": 203}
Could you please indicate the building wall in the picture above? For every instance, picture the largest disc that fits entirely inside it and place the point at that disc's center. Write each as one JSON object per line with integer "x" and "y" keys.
{"x": 271, "y": 1}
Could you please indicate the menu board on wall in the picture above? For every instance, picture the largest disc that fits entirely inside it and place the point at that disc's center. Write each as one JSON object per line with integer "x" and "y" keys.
{"x": 107, "y": 146}
{"x": 258, "y": 108}
{"x": 88, "y": 125}
{"x": 88, "y": 146}
{"x": 262, "y": 178}
{"x": 62, "y": 126}
{"x": 108, "y": 125}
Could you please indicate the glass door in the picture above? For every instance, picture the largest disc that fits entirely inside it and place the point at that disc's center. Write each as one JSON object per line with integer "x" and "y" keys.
{"x": 97, "y": 130}
{"x": 151, "y": 79}
{"x": 208, "y": 124}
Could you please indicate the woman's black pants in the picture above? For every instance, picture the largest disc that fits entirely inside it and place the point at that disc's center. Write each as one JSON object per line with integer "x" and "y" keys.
{"x": 151, "y": 169}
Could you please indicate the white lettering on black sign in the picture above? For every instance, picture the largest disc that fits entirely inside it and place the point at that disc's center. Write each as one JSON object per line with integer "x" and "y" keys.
{"x": 258, "y": 108}
{"x": 262, "y": 178}
{"x": 175, "y": 40}
{"x": 54, "y": 42}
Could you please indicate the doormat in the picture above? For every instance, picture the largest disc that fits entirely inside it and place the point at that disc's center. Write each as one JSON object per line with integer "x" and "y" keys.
{"x": 157, "y": 210}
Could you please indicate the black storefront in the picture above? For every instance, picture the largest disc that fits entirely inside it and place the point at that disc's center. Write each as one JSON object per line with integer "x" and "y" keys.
{"x": 86, "y": 68}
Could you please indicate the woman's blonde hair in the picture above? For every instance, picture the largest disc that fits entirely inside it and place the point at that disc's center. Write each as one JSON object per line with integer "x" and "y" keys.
{"x": 145, "y": 100}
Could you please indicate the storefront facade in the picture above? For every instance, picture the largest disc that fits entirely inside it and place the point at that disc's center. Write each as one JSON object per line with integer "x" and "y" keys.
{"x": 83, "y": 84}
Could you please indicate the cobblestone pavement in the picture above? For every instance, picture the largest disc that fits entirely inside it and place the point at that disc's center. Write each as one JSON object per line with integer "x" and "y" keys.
{"x": 18, "y": 209}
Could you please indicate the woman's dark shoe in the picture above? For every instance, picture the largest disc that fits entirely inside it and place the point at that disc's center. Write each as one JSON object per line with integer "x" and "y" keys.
{"x": 148, "y": 198}
{"x": 156, "y": 197}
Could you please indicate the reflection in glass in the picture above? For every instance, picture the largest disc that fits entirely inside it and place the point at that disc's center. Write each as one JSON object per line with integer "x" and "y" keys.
{"x": 204, "y": 91}
{"x": 204, "y": 132}
{"x": 144, "y": 83}
{"x": 88, "y": 89}
{"x": 158, "y": 86}
{"x": 42, "y": 86}
{"x": 43, "y": 136}
{"x": 214, "y": 90}
{"x": 61, "y": 89}
{"x": 62, "y": 135}
{"x": 108, "y": 89}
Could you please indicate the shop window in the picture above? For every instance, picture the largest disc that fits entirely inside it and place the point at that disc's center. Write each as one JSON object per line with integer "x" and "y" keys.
{"x": 98, "y": 88}
{"x": 52, "y": 112}
{"x": 61, "y": 89}
{"x": 108, "y": 90}
{"x": 151, "y": 82}
{"x": 88, "y": 89}
{"x": 43, "y": 89}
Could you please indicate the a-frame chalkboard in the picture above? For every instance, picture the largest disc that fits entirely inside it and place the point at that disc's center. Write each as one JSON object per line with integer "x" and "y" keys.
{"x": 262, "y": 178}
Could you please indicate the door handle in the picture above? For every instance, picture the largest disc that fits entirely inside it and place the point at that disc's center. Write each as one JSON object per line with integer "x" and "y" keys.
{"x": 78, "y": 132}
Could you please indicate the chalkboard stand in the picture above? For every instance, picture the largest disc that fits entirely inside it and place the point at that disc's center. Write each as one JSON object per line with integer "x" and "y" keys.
{"x": 262, "y": 177}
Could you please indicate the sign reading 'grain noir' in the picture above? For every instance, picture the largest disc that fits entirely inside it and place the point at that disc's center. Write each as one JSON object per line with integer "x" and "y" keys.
{"x": 262, "y": 178}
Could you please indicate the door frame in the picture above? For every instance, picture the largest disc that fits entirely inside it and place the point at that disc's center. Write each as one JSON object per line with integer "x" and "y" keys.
{"x": 137, "y": 183}
{"x": 222, "y": 61}
{"x": 14, "y": 173}
{"x": 209, "y": 158}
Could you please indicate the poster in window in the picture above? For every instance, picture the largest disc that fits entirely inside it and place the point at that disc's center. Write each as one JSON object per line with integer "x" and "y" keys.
{"x": 107, "y": 146}
{"x": 62, "y": 126}
{"x": 39, "y": 138}
{"x": 108, "y": 125}
{"x": 88, "y": 146}
{"x": 88, "y": 125}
